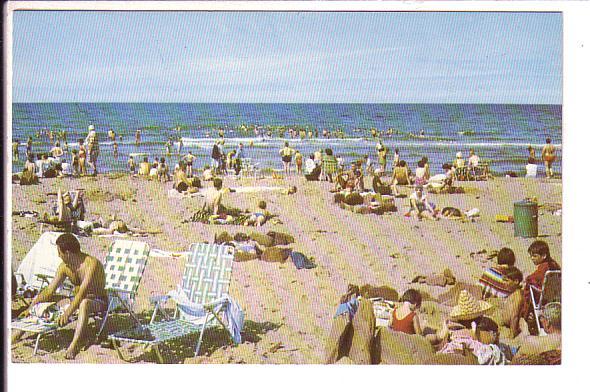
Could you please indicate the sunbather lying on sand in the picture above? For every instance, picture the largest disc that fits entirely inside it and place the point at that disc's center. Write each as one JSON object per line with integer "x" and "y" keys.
{"x": 260, "y": 216}
{"x": 87, "y": 274}
{"x": 112, "y": 225}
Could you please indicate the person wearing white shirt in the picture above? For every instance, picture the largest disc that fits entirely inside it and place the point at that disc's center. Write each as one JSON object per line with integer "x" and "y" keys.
{"x": 473, "y": 159}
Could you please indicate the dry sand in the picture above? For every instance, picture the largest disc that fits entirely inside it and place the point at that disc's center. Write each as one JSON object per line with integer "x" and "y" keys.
{"x": 289, "y": 311}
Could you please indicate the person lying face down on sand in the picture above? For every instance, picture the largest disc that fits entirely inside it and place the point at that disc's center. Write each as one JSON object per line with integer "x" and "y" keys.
{"x": 420, "y": 207}
{"x": 87, "y": 275}
{"x": 260, "y": 216}
{"x": 114, "y": 224}
{"x": 550, "y": 319}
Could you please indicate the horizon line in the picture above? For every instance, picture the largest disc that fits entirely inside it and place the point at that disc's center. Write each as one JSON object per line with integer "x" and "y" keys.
{"x": 287, "y": 103}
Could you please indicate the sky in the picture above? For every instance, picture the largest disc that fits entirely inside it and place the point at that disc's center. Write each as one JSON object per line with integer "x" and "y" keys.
{"x": 373, "y": 57}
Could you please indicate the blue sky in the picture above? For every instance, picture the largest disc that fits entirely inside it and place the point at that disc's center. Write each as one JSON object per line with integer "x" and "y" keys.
{"x": 287, "y": 57}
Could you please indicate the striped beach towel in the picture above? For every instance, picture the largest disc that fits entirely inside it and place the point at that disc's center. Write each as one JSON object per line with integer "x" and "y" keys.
{"x": 495, "y": 284}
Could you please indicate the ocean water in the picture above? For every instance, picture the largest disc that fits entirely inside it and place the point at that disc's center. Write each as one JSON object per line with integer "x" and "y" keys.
{"x": 499, "y": 134}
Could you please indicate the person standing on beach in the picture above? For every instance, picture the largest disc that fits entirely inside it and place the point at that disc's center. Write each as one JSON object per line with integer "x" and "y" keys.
{"x": 137, "y": 137}
{"x": 93, "y": 149}
{"x": 382, "y": 152}
{"x": 15, "y": 154}
{"x": 29, "y": 146}
{"x": 286, "y": 155}
{"x": 88, "y": 275}
{"x": 215, "y": 156}
{"x": 180, "y": 145}
{"x": 299, "y": 162}
{"x": 188, "y": 160}
{"x": 115, "y": 150}
{"x": 82, "y": 157}
{"x": 548, "y": 154}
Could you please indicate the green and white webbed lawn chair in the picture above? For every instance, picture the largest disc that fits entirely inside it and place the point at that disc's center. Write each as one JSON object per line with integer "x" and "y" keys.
{"x": 124, "y": 266}
{"x": 550, "y": 292}
{"x": 200, "y": 301}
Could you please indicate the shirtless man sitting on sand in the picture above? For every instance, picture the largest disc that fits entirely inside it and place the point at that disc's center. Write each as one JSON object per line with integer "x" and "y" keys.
{"x": 87, "y": 275}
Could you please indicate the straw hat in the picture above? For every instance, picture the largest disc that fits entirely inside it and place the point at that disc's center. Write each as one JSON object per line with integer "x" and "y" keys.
{"x": 468, "y": 308}
{"x": 459, "y": 155}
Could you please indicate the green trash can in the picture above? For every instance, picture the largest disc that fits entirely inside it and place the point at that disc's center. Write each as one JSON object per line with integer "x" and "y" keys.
{"x": 526, "y": 219}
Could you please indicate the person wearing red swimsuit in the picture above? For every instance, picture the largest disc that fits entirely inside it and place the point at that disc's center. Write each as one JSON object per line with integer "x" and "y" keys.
{"x": 403, "y": 318}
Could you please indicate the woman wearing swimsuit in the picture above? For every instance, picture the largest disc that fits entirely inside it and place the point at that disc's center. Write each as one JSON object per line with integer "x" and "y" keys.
{"x": 549, "y": 156}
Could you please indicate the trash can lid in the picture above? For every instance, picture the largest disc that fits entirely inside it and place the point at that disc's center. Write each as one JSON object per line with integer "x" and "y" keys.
{"x": 525, "y": 203}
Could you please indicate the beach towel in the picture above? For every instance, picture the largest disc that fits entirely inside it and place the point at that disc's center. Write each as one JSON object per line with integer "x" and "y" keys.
{"x": 232, "y": 314}
{"x": 349, "y": 307}
{"x": 301, "y": 261}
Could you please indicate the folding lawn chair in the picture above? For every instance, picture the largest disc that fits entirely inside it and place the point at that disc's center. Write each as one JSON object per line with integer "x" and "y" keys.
{"x": 124, "y": 266}
{"x": 199, "y": 303}
{"x": 550, "y": 292}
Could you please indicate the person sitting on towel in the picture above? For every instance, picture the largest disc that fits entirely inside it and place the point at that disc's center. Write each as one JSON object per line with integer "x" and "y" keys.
{"x": 403, "y": 317}
{"x": 213, "y": 196}
{"x": 182, "y": 183}
{"x": 378, "y": 185}
{"x": 87, "y": 274}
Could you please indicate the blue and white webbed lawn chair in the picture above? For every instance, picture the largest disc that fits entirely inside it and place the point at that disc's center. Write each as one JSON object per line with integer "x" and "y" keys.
{"x": 124, "y": 266}
{"x": 202, "y": 302}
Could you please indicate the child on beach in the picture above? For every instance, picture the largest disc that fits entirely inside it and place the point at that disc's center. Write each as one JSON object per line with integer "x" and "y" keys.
{"x": 421, "y": 174}
{"x": 299, "y": 162}
{"x": 163, "y": 171}
{"x": 131, "y": 164}
{"x": 82, "y": 157}
{"x": 75, "y": 163}
{"x": 115, "y": 150}
{"x": 540, "y": 256}
{"x": 503, "y": 279}
{"x": 403, "y": 317}
{"x": 420, "y": 207}
{"x": 258, "y": 217}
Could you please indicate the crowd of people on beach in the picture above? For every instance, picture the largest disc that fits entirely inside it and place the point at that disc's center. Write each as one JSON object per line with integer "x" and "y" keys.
{"x": 466, "y": 332}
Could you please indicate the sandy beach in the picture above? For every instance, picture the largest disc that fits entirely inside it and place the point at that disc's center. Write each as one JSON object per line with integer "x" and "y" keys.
{"x": 288, "y": 312}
